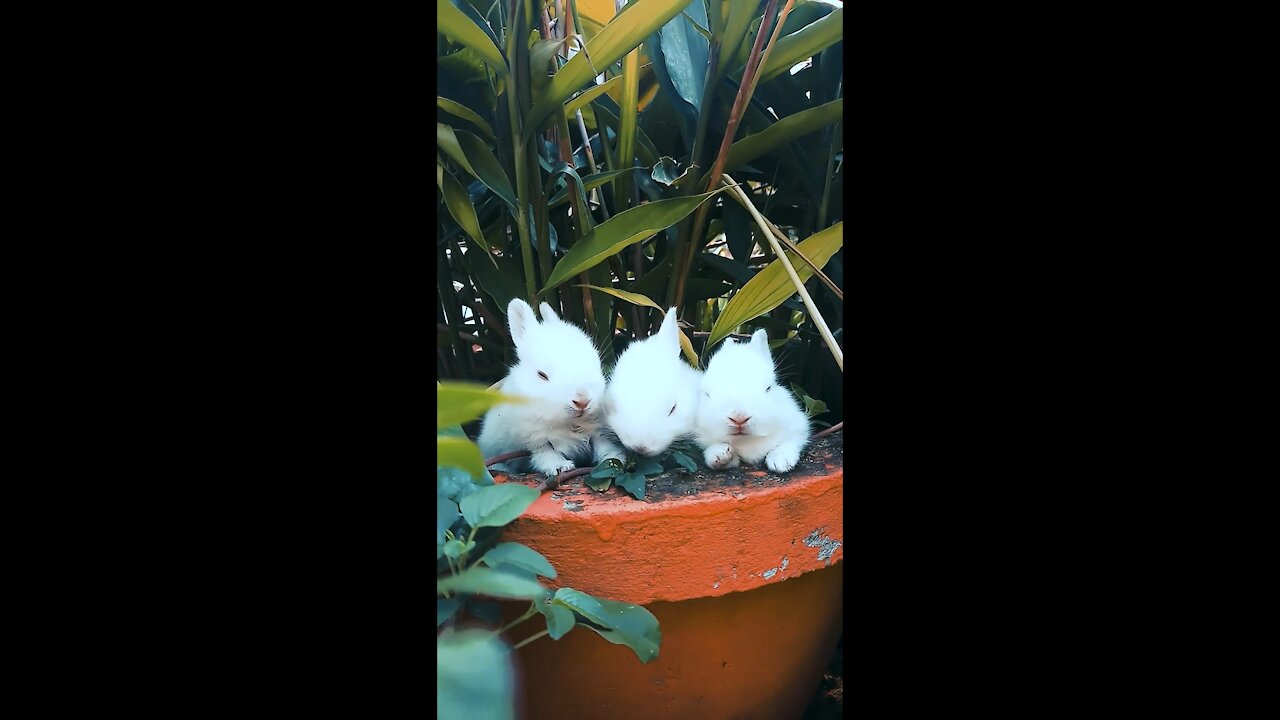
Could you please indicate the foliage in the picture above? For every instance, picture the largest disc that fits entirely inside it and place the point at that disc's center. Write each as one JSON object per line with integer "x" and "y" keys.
{"x": 581, "y": 162}
{"x": 474, "y": 676}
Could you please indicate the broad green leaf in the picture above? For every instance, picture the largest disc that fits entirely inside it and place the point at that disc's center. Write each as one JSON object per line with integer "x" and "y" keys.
{"x": 628, "y": 29}
{"x": 459, "y": 402}
{"x": 771, "y": 286}
{"x": 475, "y": 678}
{"x": 783, "y": 132}
{"x": 487, "y": 581}
{"x": 633, "y": 483}
{"x": 560, "y": 620}
{"x": 608, "y": 468}
{"x": 445, "y": 608}
{"x": 623, "y": 623}
{"x": 446, "y": 514}
{"x": 581, "y": 100}
{"x": 806, "y": 43}
{"x": 475, "y": 157}
{"x": 598, "y": 484}
{"x": 522, "y": 556}
{"x": 685, "y": 461}
{"x": 460, "y": 207}
{"x": 668, "y": 172}
{"x": 496, "y": 505}
{"x": 730, "y": 20}
{"x": 680, "y": 56}
{"x": 454, "y": 24}
{"x": 622, "y": 230}
{"x": 648, "y": 466}
{"x": 461, "y": 453}
{"x": 462, "y": 111}
{"x": 457, "y": 548}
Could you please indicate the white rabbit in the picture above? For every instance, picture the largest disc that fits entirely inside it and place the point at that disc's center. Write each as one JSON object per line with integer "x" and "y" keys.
{"x": 558, "y": 370}
{"x": 652, "y": 397}
{"x": 744, "y": 414}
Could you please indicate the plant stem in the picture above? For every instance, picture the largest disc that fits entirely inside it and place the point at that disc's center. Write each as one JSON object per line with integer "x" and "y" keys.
{"x": 829, "y": 431}
{"x": 814, "y": 314}
{"x": 518, "y": 151}
{"x": 506, "y": 456}
{"x": 530, "y": 639}
{"x": 831, "y": 161}
{"x": 533, "y": 610}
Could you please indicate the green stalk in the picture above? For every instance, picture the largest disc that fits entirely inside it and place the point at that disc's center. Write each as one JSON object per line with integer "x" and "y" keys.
{"x": 519, "y": 155}
{"x": 831, "y": 163}
{"x": 627, "y": 120}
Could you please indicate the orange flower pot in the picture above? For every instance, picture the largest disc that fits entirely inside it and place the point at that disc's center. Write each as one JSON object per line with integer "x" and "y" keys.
{"x": 741, "y": 567}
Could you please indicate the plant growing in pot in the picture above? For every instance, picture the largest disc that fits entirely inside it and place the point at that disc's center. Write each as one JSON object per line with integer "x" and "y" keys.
{"x": 475, "y": 677}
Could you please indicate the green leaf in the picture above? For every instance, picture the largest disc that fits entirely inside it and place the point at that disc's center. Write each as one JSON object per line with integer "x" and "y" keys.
{"x": 459, "y": 402}
{"x": 806, "y": 43}
{"x": 501, "y": 283}
{"x": 598, "y": 484}
{"x": 637, "y": 299}
{"x": 730, "y": 20}
{"x": 633, "y": 483}
{"x": 521, "y": 556}
{"x": 680, "y": 56}
{"x": 588, "y": 183}
{"x": 783, "y": 132}
{"x": 477, "y": 159}
{"x": 648, "y": 466}
{"x": 608, "y": 468}
{"x": 685, "y": 461}
{"x": 812, "y": 406}
{"x": 581, "y": 100}
{"x": 461, "y": 453}
{"x": 628, "y": 29}
{"x": 771, "y": 286}
{"x": 497, "y": 505}
{"x": 494, "y": 583}
{"x": 453, "y": 482}
{"x": 457, "y": 548}
{"x": 475, "y": 678}
{"x": 445, "y": 608}
{"x": 462, "y": 111}
{"x": 454, "y": 24}
{"x": 622, "y": 623}
{"x": 460, "y": 207}
{"x": 560, "y": 620}
{"x": 668, "y": 172}
{"x": 446, "y": 515}
{"x": 622, "y": 230}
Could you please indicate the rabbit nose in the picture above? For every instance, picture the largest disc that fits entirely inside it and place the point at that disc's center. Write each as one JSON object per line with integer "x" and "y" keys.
{"x": 642, "y": 449}
{"x": 739, "y": 419}
{"x": 580, "y": 404}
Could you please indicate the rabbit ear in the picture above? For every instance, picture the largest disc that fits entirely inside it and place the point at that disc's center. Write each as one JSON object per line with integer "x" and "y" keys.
{"x": 548, "y": 314}
{"x": 519, "y": 318}
{"x": 669, "y": 332}
{"x": 760, "y": 342}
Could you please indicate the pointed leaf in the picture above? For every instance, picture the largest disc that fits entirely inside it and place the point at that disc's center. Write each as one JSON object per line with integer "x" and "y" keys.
{"x": 771, "y": 286}
{"x": 628, "y": 29}
{"x": 633, "y": 483}
{"x": 496, "y": 505}
{"x": 685, "y": 461}
{"x": 648, "y": 466}
{"x": 622, "y": 230}
{"x": 461, "y": 453}
{"x": 487, "y": 168}
{"x": 783, "y": 132}
{"x": 622, "y": 623}
{"x": 446, "y": 515}
{"x": 806, "y": 43}
{"x": 494, "y": 583}
{"x": 454, "y": 24}
{"x": 459, "y": 402}
{"x": 560, "y": 620}
{"x": 460, "y": 207}
{"x": 581, "y": 100}
{"x": 462, "y": 111}
{"x": 521, "y": 556}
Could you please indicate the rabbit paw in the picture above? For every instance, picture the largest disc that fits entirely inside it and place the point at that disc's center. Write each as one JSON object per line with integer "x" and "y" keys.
{"x": 782, "y": 459}
{"x": 720, "y": 456}
{"x": 553, "y": 465}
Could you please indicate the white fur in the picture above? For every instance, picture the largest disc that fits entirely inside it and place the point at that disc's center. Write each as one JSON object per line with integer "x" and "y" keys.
{"x": 652, "y": 396}
{"x": 548, "y": 425}
{"x": 734, "y": 386}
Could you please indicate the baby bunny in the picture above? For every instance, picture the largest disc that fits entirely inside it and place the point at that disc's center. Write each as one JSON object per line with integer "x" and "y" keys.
{"x": 652, "y": 396}
{"x": 743, "y": 412}
{"x": 558, "y": 371}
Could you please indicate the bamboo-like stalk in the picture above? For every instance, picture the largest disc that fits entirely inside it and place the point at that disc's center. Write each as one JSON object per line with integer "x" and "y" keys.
{"x": 786, "y": 241}
{"x": 518, "y": 153}
{"x": 831, "y": 161}
{"x": 758, "y": 53}
{"x": 814, "y": 315}
{"x": 627, "y": 119}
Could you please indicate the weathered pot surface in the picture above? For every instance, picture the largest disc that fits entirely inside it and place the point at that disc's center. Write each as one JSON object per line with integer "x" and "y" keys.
{"x": 717, "y": 556}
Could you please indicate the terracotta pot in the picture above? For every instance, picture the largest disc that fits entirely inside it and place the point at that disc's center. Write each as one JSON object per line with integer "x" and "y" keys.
{"x": 741, "y": 567}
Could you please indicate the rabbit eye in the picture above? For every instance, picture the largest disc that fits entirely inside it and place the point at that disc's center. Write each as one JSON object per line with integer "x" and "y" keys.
{"x": 768, "y": 388}
{"x": 673, "y": 409}
{"x": 543, "y": 375}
